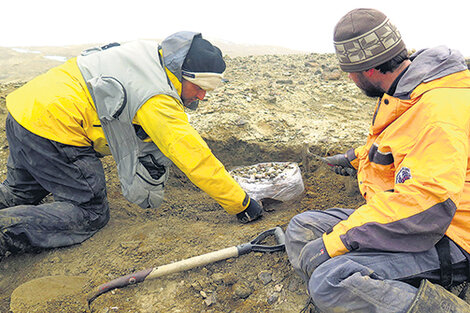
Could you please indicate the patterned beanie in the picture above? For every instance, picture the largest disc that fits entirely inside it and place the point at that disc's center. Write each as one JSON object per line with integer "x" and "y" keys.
{"x": 364, "y": 39}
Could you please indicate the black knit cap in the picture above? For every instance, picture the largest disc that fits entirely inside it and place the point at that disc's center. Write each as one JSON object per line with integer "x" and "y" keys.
{"x": 364, "y": 39}
{"x": 203, "y": 57}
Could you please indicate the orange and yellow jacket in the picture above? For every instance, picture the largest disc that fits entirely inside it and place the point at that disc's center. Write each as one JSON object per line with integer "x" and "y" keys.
{"x": 57, "y": 106}
{"x": 414, "y": 169}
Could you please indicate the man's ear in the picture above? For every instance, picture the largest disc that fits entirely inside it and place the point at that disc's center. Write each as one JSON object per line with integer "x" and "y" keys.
{"x": 369, "y": 73}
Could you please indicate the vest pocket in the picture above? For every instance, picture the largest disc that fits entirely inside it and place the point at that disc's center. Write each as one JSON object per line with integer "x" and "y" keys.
{"x": 109, "y": 95}
{"x": 141, "y": 185}
{"x": 152, "y": 189}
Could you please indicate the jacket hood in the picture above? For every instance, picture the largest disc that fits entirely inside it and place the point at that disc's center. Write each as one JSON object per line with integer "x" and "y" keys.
{"x": 427, "y": 65}
{"x": 175, "y": 48}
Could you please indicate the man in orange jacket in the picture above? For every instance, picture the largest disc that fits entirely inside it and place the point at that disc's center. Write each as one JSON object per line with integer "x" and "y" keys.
{"x": 413, "y": 233}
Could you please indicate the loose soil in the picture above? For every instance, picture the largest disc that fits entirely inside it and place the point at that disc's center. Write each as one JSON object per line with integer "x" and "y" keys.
{"x": 273, "y": 108}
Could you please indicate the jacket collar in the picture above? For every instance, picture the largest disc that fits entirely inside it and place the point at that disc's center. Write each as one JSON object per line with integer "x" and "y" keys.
{"x": 175, "y": 48}
{"x": 387, "y": 110}
{"x": 425, "y": 73}
{"x": 428, "y": 65}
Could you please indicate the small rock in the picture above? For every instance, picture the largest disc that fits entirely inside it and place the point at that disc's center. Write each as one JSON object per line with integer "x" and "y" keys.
{"x": 229, "y": 279}
{"x": 210, "y": 300}
{"x": 55, "y": 259}
{"x": 196, "y": 285}
{"x": 334, "y": 75}
{"x": 273, "y": 298}
{"x": 129, "y": 245}
{"x": 218, "y": 278}
{"x": 293, "y": 284}
{"x": 278, "y": 288}
{"x": 242, "y": 291}
{"x": 241, "y": 122}
{"x": 285, "y": 81}
{"x": 311, "y": 64}
{"x": 266, "y": 277}
{"x": 271, "y": 100}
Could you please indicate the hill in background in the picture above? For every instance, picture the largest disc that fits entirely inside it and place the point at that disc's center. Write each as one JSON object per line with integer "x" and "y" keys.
{"x": 24, "y": 63}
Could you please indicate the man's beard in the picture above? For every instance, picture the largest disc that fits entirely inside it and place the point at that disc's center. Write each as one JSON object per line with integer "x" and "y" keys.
{"x": 368, "y": 89}
{"x": 373, "y": 92}
{"x": 193, "y": 105}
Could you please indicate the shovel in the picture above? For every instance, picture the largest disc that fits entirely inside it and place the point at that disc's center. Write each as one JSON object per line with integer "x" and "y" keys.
{"x": 201, "y": 260}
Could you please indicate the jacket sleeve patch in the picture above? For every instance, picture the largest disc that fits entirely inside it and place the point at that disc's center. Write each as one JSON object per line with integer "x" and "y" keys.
{"x": 403, "y": 175}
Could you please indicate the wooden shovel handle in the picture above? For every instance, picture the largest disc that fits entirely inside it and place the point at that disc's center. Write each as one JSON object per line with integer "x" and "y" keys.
{"x": 193, "y": 262}
{"x": 176, "y": 267}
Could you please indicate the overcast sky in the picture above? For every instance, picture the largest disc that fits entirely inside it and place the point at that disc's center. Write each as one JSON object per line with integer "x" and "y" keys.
{"x": 305, "y": 25}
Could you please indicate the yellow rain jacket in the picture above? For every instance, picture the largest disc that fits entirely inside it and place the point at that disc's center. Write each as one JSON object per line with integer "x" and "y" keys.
{"x": 414, "y": 169}
{"x": 58, "y": 106}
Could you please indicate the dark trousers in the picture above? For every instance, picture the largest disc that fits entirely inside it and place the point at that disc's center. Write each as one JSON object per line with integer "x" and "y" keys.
{"x": 373, "y": 281}
{"x": 38, "y": 167}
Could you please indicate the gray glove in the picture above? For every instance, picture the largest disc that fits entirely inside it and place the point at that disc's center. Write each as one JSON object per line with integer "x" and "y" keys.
{"x": 252, "y": 212}
{"x": 340, "y": 165}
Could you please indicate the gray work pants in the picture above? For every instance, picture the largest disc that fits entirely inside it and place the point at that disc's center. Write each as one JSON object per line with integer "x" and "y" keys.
{"x": 364, "y": 281}
{"x": 37, "y": 167}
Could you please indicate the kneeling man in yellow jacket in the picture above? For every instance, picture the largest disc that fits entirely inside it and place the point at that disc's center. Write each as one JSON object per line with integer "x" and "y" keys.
{"x": 126, "y": 100}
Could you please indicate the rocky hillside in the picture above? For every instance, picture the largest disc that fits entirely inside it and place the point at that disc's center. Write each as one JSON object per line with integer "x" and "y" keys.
{"x": 273, "y": 108}
{"x": 24, "y": 63}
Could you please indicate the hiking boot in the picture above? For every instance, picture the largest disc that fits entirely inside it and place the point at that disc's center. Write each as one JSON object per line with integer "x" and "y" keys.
{"x": 435, "y": 298}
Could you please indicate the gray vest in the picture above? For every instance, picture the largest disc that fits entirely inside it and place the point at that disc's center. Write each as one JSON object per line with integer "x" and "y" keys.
{"x": 120, "y": 80}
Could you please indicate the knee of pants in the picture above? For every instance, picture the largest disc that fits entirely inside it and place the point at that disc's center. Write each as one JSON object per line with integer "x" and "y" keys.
{"x": 328, "y": 280}
{"x": 300, "y": 231}
{"x": 306, "y": 226}
{"x": 325, "y": 279}
{"x": 8, "y": 199}
{"x": 5, "y": 197}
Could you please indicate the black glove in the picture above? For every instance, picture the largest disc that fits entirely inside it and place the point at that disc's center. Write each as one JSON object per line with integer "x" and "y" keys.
{"x": 251, "y": 213}
{"x": 340, "y": 165}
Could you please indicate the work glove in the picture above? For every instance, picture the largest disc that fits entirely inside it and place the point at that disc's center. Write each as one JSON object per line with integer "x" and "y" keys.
{"x": 312, "y": 255}
{"x": 252, "y": 212}
{"x": 339, "y": 163}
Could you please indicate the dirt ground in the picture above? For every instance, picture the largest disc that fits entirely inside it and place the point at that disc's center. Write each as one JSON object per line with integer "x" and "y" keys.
{"x": 271, "y": 109}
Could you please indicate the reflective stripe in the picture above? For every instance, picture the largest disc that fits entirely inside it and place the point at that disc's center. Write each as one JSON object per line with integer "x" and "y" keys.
{"x": 375, "y": 156}
{"x": 395, "y": 235}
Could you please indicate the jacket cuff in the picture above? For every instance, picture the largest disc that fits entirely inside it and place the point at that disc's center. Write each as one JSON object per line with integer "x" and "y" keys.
{"x": 352, "y": 158}
{"x": 334, "y": 245}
